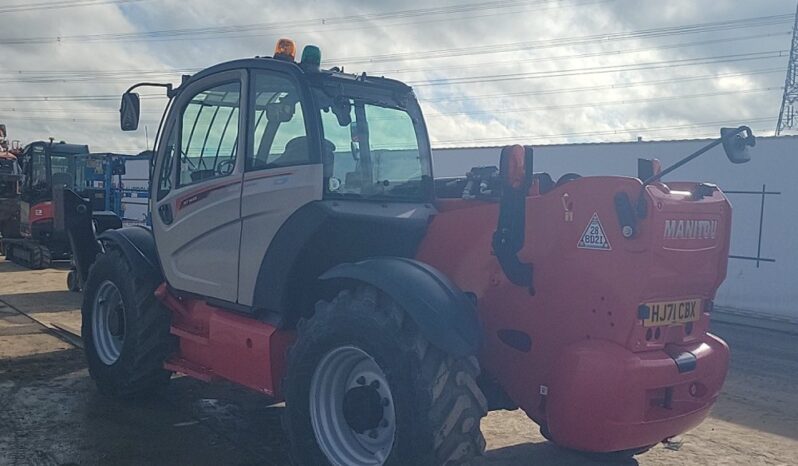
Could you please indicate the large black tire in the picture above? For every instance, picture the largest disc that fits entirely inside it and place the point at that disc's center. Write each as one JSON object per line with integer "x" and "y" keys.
{"x": 146, "y": 342}
{"x": 438, "y": 405}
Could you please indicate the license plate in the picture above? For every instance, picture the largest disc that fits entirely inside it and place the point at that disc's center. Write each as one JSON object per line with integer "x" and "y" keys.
{"x": 672, "y": 313}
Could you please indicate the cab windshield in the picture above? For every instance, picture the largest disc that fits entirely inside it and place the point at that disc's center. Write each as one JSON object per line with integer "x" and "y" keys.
{"x": 371, "y": 150}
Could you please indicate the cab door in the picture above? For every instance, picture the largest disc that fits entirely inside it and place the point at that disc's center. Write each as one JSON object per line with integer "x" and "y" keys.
{"x": 197, "y": 187}
{"x": 283, "y": 169}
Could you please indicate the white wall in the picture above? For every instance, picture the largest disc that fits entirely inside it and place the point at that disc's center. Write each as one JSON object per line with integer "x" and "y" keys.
{"x": 769, "y": 291}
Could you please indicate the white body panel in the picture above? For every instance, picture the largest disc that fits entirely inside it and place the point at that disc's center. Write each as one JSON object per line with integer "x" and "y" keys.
{"x": 206, "y": 231}
{"x": 268, "y": 198}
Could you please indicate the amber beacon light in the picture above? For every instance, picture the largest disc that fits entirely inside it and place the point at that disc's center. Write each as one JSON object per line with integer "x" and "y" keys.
{"x": 285, "y": 49}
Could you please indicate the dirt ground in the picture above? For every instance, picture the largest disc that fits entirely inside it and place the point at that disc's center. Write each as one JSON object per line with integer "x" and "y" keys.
{"x": 51, "y": 414}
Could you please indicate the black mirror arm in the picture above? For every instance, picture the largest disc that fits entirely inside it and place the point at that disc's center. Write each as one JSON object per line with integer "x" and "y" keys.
{"x": 656, "y": 177}
{"x": 684, "y": 161}
{"x": 168, "y": 86}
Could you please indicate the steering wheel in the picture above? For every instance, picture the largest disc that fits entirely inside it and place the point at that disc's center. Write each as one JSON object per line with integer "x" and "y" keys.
{"x": 225, "y": 167}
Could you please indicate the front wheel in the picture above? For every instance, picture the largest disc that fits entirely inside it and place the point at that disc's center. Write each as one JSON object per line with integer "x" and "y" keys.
{"x": 365, "y": 388}
{"x": 125, "y": 329}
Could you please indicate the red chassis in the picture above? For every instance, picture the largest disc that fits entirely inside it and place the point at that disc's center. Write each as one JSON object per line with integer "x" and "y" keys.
{"x": 594, "y": 375}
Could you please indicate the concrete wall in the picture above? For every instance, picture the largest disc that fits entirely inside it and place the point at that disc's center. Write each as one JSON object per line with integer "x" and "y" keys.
{"x": 764, "y": 289}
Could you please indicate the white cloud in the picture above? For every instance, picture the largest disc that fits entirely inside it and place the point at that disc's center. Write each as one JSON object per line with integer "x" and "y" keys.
{"x": 96, "y": 123}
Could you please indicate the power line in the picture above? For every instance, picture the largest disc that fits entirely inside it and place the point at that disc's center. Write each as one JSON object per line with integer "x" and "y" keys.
{"x": 633, "y": 84}
{"x": 605, "y": 69}
{"x": 665, "y": 98}
{"x": 49, "y": 76}
{"x": 604, "y": 103}
{"x": 593, "y": 39}
{"x": 61, "y": 5}
{"x": 550, "y": 91}
{"x": 752, "y": 56}
{"x": 244, "y": 30}
{"x": 642, "y": 130}
{"x": 75, "y": 98}
{"x": 602, "y": 53}
{"x": 55, "y": 76}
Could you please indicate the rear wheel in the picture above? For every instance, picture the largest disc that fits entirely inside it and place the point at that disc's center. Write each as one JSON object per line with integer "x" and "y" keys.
{"x": 125, "y": 329}
{"x": 365, "y": 388}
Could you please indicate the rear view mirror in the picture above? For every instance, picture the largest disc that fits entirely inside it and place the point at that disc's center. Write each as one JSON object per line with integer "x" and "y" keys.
{"x": 129, "y": 111}
{"x": 736, "y": 142}
{"x": 515, "y": 167}
{"x": 342, "y": 109}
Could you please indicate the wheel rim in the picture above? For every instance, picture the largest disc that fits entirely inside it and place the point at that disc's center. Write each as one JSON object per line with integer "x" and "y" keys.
{"x": 108, "y": 322}
{"x": 352, "y": 408}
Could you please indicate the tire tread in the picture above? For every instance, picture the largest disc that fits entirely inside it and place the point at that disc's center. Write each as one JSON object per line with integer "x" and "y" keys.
{"x": 452, "y": 404}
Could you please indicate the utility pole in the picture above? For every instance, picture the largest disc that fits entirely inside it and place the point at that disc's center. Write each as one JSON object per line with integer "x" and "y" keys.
{"x": 789, "y": 103}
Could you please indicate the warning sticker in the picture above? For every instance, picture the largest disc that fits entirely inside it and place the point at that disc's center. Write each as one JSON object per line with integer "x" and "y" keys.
{"x": 594, "y": 237}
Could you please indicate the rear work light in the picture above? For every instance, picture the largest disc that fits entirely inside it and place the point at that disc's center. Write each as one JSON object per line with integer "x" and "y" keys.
{"x": 285, "y": 49}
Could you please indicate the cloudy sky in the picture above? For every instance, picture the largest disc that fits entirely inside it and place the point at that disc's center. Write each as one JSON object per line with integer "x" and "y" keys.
{"x": 487, "y": 73}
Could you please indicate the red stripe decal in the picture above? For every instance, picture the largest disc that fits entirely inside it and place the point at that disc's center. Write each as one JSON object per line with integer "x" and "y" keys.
{"x": 268, "y": 175}
{"x": 200, "y": 194}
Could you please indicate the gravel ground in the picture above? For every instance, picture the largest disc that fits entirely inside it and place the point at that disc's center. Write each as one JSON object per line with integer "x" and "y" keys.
{"x": 51, "y": 414}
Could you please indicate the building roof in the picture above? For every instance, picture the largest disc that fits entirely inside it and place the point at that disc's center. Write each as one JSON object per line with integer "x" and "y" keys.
{"x": 605, "y": 143}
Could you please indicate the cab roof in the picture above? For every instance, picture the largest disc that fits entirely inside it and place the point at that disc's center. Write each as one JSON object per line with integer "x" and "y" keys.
{"x": 333, "y": 74}
{"x": 62, "y": 148}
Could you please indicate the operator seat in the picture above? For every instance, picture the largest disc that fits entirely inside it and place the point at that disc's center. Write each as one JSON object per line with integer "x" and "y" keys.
{"x": 296, "y": 153}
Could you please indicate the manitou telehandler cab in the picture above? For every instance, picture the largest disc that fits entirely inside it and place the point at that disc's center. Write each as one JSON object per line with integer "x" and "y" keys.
{"x": 298, "y": 248}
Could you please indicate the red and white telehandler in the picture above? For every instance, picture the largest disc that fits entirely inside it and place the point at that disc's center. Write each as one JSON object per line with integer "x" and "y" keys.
{"x": 300, "y": 247}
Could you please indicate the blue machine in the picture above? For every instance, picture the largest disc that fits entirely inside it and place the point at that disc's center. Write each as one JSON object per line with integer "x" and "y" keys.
{"x": 127, "y": 196}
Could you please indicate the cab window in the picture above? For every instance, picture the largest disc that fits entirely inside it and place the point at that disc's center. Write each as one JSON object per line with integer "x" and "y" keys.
{"x": 38, "y": 167}
{"x": 375, "y": 151}
{"x": 280, "y": 137}
{"x": 209, "y": 134}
